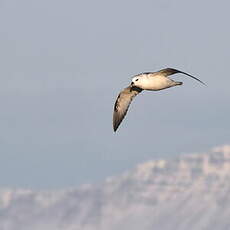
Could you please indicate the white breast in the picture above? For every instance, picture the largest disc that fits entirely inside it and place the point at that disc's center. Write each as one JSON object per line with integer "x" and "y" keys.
{"x": 156, "y": 82}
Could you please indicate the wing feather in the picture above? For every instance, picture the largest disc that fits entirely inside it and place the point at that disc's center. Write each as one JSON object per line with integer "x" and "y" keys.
{"x": 122, "y": 104}
{"x": 169, "y": 71}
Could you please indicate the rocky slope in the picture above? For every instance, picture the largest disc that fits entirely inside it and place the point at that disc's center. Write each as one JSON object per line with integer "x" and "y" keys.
{"x": 188, "y": 192}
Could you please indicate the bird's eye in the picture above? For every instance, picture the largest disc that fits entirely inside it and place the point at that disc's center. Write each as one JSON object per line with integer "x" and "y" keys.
{"x": 137, "y": 79}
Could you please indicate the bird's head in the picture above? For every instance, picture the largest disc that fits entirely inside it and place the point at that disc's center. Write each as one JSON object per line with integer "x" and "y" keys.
{"x": 136, "y": 81}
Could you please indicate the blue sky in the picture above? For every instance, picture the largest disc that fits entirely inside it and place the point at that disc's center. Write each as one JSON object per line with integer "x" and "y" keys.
{"x": 63, "y": 64}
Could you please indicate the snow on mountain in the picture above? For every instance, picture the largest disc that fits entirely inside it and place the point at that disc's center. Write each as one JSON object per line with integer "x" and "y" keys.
{"x": 187, "y": 192}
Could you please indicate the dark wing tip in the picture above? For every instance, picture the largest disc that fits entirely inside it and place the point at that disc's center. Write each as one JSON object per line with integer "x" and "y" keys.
{"x": 117, "y": 118}
{"x": 116, "y": 121}
{"x": 115, "y": 127}
{"x": 174, "y": 71}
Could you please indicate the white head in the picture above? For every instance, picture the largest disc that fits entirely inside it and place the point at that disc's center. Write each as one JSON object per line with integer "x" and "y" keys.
{"x": 137, "y": 81}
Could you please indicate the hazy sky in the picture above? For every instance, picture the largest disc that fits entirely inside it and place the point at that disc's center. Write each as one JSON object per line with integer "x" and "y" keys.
{"x": 63, "y": 64}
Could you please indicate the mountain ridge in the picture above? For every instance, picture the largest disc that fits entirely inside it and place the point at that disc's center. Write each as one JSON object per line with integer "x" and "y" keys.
{"x": 186, "y": 192}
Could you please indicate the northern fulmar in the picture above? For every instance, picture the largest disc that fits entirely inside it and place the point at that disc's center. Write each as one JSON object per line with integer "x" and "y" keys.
{"x": 152, "y": 81}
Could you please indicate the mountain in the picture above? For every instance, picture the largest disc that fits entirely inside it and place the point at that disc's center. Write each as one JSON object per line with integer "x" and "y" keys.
{"x": 187, "y": 192}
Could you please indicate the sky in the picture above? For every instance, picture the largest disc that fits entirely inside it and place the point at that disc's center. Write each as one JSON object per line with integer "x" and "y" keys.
{"x": 63, "y": 64}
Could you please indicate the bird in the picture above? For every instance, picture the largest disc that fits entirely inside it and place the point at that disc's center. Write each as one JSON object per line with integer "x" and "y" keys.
{"x": 152, "y": 81}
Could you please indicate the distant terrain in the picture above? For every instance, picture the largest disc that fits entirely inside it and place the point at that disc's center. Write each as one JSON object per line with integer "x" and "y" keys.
{"x": 187, "y": 192}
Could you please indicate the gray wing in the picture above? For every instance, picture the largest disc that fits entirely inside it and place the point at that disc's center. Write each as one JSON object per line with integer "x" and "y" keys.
{"x": 122, "y": 104}
{"x": 169, "y": 71}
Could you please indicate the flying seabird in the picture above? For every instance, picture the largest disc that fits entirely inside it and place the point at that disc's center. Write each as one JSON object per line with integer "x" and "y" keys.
{"x": 152, "y": 81}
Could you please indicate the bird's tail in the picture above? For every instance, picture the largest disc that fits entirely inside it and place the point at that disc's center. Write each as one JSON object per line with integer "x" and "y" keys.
{"x": 178, "y": 83}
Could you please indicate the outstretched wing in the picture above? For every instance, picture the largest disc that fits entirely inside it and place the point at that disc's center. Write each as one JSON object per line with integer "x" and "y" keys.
{"x": 170, "y": 71}
{"x": 122, "y": 104}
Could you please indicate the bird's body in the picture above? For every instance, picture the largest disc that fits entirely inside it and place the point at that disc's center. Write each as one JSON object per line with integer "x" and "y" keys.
{"x": 152, "y": 81}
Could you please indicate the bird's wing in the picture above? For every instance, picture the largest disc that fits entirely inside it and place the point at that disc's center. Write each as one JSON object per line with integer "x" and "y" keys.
{"x": 169, "y": 71}
{"x": 122, "y": 104}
